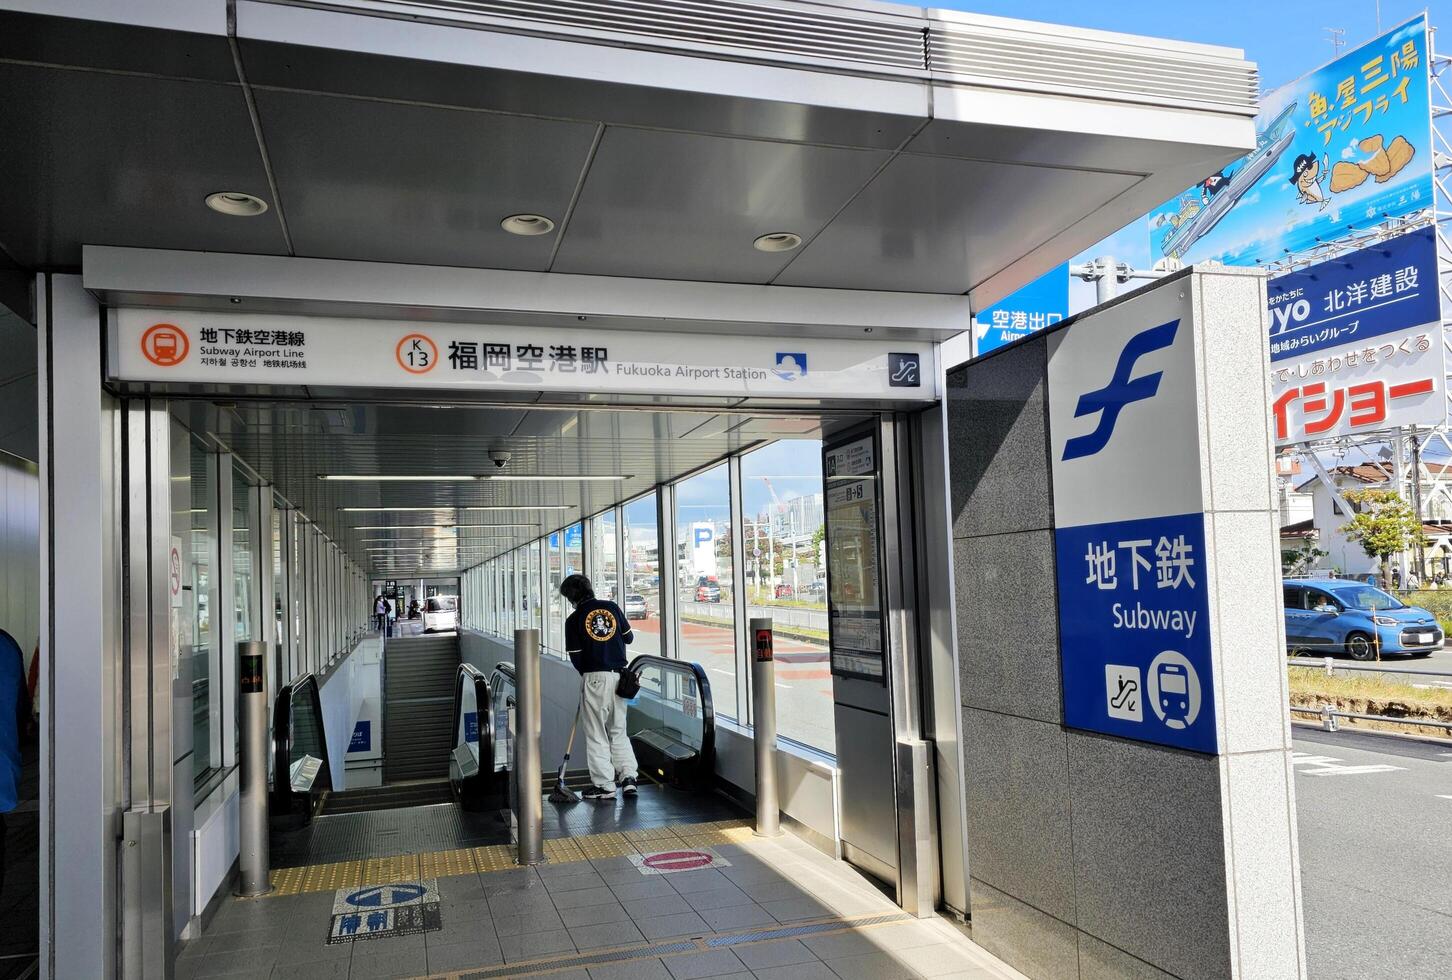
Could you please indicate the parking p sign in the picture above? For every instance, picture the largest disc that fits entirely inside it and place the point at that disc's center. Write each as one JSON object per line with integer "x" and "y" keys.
{"x": 1134, "y": 610}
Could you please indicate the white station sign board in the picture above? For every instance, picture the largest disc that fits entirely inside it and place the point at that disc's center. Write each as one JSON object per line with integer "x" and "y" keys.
{"x": 264, "y": 349}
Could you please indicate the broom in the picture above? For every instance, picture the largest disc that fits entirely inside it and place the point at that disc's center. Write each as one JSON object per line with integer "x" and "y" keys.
{"x": 562, "y": 793}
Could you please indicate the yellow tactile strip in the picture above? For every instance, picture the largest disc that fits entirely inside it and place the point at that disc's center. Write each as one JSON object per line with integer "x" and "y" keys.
{"x": 500, "y": 857}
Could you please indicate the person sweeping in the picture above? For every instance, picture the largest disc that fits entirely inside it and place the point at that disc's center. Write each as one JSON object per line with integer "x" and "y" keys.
{"x": 596, "y": 635}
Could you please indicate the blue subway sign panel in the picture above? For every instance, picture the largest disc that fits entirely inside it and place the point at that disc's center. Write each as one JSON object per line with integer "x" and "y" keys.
{"x": 1134, "y": 623}
{"x": 1346, "y": 302}
{"x": 362, "y": 740}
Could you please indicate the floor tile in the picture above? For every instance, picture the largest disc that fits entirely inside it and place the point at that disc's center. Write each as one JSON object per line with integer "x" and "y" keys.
{"x": 669, "y": 926}
{"x": 231, "y": 942}
{"x": 646, "y": 887}
{"x": 941, "y": 960}
{"x": 583, "y": 897}
{"x": 590, "y": 915}
{"x": 605, "y": 934}
{"x": 535, "y": 944}
{"x": 872, "y": 966}
{"x": 781, "y": 952}
{"x": 571, "y": 883}
{"x": 632, "y": 970}
{"x": 736, "y": 917}
{"x": 523, "y": 925}
{"x": 313, "y": 970}
{"x": 644, "y": 908}
{"x": 370, "y": 964}
{"x": 693, "y": 966}
{"x": 815, "y": 970}
{"x": 463, "y": 956}
{"x": 797, "y": 909}
{"x": 718, "y": 898}
{"x": 686, "y": 882}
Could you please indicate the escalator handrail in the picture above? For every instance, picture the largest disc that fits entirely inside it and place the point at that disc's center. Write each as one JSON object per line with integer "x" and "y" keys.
{"x": 703, "y": 684}
{"x": 484, "y": 709}
{"x": 282, "y": 729}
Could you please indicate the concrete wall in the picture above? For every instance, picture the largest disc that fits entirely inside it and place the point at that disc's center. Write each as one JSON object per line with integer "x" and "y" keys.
{"x": 1094, "y": 856}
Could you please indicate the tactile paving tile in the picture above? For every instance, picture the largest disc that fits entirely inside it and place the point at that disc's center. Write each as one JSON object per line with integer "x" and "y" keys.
{"x": 562, "y": 851}
{"x": 381, "y": 871}
{"x": 495, "y": 857}
{"x": 443, "y": 864}
{"x": 606, "y": 846}
{"x": 650, "y": 837}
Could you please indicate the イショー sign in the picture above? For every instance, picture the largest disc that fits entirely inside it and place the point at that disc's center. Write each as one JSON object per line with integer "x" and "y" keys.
{"x": 264, "y": 349}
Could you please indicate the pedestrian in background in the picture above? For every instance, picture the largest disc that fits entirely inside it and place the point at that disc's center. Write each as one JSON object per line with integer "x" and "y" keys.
{"x": 14, "y": 717}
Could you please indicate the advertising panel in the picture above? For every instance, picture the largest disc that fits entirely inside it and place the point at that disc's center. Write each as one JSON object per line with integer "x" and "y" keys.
{"x": 1356, "y": 342}
{"x": 1133, "y": 589}
{"x": 854, "y": 591}
{"x": 1343, "y": 148}
{"x": 240, "y": 348}
{"x": 1042, "y": 303}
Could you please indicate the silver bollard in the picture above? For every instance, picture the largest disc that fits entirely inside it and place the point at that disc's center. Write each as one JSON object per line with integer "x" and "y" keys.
{"x": 254, "y": 859}
{"x": 528, "y": 798}
{"x": 763, "y": 716}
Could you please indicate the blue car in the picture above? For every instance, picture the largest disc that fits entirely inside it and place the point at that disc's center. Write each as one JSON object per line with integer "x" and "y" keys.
{"x": 1342, "y": 616}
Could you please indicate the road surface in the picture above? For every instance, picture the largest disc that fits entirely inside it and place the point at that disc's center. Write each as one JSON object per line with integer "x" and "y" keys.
{"x": 1375, "y": 824}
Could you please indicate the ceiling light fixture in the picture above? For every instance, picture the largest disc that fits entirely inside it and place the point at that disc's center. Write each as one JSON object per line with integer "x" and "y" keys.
{"x": 456, "y": 478}
{"x": 527, "y": 225}
{"x": 450, "y": 507}
{"x": 425, "y": 527}
{"x": 777, "y": 241}
{"x": 236, "y": 204}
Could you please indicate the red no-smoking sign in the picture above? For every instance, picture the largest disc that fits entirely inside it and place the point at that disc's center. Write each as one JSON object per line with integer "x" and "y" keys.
{"x": 670, "y": 862}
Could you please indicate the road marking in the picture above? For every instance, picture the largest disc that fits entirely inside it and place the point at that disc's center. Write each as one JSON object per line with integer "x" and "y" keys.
{"x": 1325, "y": 765}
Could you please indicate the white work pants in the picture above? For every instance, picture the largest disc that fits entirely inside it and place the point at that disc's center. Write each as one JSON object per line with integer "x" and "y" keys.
{"x": 607, "y": 748}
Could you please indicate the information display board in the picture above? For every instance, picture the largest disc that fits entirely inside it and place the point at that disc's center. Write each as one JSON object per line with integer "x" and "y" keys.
{"x": 854, "y": 577}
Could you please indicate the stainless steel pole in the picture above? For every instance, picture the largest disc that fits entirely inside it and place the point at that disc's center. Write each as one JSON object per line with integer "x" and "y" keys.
{"x": 254, "y": 859}
{"x": 528, "y": 798}
{"x": 763, "y": 720}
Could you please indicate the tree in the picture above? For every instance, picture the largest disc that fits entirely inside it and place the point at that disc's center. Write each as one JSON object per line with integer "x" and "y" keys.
{"x": 1384, "y": 524}
{"x": 818, "y": 536}
{"x": 1300, "y": 560}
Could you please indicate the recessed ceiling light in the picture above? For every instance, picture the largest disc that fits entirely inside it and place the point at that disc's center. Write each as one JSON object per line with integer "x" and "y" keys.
{"x": 395, "y": 478}
{"x": 777, "y": 241}
{"x": 426, "y": 527}
{"x": 456, "y": 478}
{"x": 527, "y": 225}
{"x": 236, "y": 203}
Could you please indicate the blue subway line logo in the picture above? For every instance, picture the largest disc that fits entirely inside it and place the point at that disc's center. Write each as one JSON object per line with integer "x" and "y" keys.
{"x": 1121, "y": 391}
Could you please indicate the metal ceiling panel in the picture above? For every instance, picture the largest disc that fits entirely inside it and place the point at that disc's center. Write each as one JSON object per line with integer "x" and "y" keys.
{"x": 418, "y": 184}
{"x": 935, "y": 224}
{"x": 124, "y": 159}
{"x": 684, "y": 206}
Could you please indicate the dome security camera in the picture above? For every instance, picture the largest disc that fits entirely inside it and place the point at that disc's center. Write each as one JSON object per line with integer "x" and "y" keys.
{"x": 500, "y": 457}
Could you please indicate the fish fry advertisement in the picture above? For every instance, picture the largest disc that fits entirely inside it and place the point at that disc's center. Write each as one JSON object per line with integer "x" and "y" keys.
{"x": 1341, "y": 150}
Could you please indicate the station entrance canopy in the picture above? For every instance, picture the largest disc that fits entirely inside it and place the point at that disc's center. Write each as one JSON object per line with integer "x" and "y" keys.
{"x": 910, "y": 150}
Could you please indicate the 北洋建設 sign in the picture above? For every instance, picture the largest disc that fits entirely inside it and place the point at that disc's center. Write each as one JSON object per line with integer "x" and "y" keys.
{"x": 262, "y": 349}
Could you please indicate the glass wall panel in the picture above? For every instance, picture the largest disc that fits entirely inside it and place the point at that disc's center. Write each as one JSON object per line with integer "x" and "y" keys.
{"x": 244, "y": 558}
{"x": 554, "y": 636}
{"x": 603, "y": 573}
{"x": 706, "y": 633}
{"x": 194, "y": 514}
{"x": 532, "y": 599}
{"x": 571, "y": 546}
{"x": 783, "y": 534}
{"x": 279, "y": 595}
{"x": 640, "y": 527}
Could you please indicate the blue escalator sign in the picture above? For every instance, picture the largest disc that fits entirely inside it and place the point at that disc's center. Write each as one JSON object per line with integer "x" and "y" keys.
{"x": 362, "y": 740}
{"x": 471, "y": 726}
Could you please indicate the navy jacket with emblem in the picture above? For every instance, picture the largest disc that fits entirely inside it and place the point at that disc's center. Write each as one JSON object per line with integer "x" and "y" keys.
{"x": 596, "y": 634}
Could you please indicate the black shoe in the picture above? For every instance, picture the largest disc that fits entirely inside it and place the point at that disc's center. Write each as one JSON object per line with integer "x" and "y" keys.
{"x": 627, "y": 785}
{"x": 596, "y": 793}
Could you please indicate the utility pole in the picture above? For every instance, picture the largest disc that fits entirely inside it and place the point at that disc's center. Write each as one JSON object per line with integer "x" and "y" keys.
{"x": 1108, "y": 274}
{"x": 1417, "y": 503}
{"x": 1337, "y": 37}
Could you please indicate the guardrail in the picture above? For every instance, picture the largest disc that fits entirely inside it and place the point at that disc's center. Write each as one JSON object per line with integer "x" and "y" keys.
{"x": 1329, "y": 714}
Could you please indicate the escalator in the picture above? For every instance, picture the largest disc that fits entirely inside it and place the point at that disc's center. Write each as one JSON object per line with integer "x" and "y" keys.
{"x": 463, "y": 798}
{"x": 418, "y": 685}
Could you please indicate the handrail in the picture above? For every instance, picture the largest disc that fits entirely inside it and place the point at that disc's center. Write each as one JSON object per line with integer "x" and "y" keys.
{"x": 703, "y": 684}
{"x": 290, "y": 807}
{"x": 475, "y": 783}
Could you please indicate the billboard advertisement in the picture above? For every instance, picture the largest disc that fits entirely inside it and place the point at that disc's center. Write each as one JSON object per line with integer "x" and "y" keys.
{"x": 1340, "y": 150}
{"x": 1356, "y": 342}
